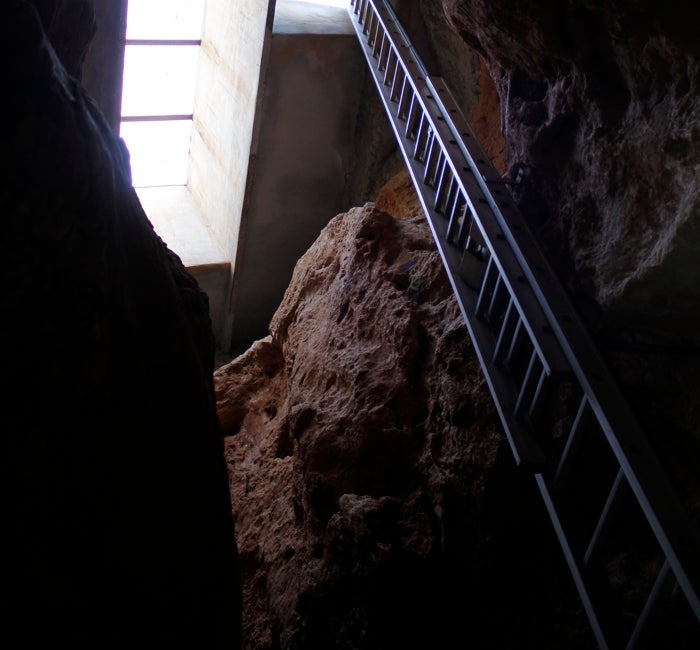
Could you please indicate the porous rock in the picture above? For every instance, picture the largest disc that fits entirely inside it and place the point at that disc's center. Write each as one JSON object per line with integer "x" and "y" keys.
{"x": 600, "y": 105}
{"x": 375, "y": 499}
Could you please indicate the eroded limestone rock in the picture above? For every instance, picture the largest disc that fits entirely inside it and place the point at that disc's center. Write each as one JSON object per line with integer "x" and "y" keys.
{"x": 601, "y": 103}
{"x": 375, "y": 499}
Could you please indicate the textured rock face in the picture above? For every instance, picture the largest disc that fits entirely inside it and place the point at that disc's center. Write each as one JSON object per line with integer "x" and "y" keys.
{"x": 116, "y": 512}
{"x": 70, "y": 26}
{"x": 375, "y": 501}
{"x": 601, "y": 103}
{"x": 342, "y": 547}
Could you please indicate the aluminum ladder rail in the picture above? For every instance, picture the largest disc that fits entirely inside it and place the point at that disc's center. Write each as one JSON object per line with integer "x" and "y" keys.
{"x": 531, "y": 343}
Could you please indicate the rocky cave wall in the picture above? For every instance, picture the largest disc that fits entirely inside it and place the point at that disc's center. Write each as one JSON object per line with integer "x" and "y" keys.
{"x": 600, "y": 103}
{"x": 117, "y": 526}
{"x": 375, "y": 501}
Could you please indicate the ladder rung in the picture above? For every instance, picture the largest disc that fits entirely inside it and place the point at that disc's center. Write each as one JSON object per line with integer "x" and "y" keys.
{"x": 475, "y": 240}
{"x": 432, "y": 147}
{"x": 573, "y": 442}
{"x": 399, "y": 78}
{"x": 380, "y": 43}
{"x": 520, "y": 339}
{"x": 464, "y": 226}
{"x": 507, "y": 330}
{"x": 363, "y": 16}
{"x": 390, "y": 69}
{"x": 500, "y": 294}
{"x": 406, "y": 93}
{"x": 650, "y": 615}
{"x": 457, "y": 204}
{"x": 618, "y": 492}
{"x": 490, "y": 277}
{"x": 444, "y": 179}
{"x": 376, "y": 26}
{"x": 364, "y": 6}
{"x": 529, "y": 384}
{"x": 421, "y": 139}
{"x": 412, "y": 117}
{"x": 369, "y": 25}
{"x": 437, "y": 166}
{"x": 539, "y": 395}
{"x": 451, "y": 198}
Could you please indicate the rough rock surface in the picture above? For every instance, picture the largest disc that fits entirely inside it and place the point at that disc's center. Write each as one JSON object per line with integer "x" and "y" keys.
{"x": 116, "y": 513}
{"x": 601, "y": 104}
{"x": 70, "y": 26}
{"x": 375, "y": 499}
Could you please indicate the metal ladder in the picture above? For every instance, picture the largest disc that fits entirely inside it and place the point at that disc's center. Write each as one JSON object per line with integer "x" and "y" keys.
{"x": 565, "y": 419}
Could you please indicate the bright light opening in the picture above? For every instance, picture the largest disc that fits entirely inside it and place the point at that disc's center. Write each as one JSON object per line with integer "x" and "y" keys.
{"x": 159, "y": 79}
{"x": 165, "y": 19}
{"x": 330, "y": 3}
{"x": 159, "y": 151}
{"x": 163, "y": 40}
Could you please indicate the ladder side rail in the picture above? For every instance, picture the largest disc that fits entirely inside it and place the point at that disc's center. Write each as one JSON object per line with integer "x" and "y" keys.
{"x": 649, "y": 482}
{"x": 509, "y": 273}
{"x": 574, "y": 565}
{"x": 526, "y": 451}
{"x": 510, "y": 269}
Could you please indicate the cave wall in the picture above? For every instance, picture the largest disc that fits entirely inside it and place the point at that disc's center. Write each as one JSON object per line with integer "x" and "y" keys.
{"x": 354, "y": 507}
{"x": 116, "y": 514}
{"x": 601, "y": 104}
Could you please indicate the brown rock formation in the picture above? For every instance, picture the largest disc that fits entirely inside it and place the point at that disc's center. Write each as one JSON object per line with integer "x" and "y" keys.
{"x": 601, "y": 103}
{"x": 116, "y": 513}
{"x": 375, "y": 500}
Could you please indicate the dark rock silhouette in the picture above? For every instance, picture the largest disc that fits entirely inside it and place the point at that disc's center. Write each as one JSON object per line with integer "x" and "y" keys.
{"x": 117, "y": 527}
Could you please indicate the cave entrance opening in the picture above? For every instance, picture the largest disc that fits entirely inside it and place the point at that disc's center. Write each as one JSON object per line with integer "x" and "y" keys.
{"x": 163, "y": 40}
{"x": 199, "y": 200}
{"x": 162, "y": 51}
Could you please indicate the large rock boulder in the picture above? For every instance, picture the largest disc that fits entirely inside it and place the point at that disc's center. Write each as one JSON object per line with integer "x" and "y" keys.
{"x": 375, "y": 498}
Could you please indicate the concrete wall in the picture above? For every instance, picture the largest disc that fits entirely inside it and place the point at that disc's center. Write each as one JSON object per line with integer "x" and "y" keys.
{"x": 231, "y": 63}
{"x": 310, "y": 102}
{"x": 266, "y": 197}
